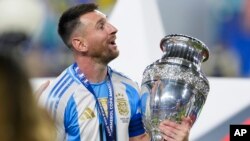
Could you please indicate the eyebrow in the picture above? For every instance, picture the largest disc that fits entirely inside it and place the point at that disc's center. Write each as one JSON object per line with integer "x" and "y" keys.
{"x": 100, "y": 21}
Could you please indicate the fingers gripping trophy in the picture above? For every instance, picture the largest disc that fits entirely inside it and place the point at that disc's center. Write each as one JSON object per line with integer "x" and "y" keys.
{"x": 174, "y": 86}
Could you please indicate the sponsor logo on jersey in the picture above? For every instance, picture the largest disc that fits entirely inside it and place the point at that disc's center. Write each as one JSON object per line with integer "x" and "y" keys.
{"x": 87, "y": 114}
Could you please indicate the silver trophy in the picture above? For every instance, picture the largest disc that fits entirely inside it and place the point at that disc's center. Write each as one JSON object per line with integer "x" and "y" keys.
{"x": 174, "y": 86}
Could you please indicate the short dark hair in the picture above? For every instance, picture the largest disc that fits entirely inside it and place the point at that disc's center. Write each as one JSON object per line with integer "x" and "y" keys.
{"x": 70, "y": 20}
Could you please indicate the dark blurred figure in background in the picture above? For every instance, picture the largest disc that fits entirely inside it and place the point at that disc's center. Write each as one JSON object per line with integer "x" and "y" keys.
{"x": 234, "y": 35}
{"x": 11, "y": 43}
{"x": 21, "y": 119}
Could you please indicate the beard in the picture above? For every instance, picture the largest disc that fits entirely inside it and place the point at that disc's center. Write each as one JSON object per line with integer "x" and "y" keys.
{"x": 105, "y": 56}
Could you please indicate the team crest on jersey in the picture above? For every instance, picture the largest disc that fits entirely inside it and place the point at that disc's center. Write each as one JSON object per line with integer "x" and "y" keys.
{"x": 122, "y": 105}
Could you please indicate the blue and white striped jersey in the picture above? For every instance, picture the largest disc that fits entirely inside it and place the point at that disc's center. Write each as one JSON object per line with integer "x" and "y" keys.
{"x": 74, "y": 108}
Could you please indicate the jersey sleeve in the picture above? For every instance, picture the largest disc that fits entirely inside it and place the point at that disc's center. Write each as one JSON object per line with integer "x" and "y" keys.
{"x": 136, "y": 126}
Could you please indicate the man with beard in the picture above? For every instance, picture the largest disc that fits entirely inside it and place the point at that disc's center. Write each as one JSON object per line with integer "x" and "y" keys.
{"x": 90, "y": 101}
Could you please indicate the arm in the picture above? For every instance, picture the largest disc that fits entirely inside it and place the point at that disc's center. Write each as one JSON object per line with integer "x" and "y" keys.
{"x": 143, "y": 137}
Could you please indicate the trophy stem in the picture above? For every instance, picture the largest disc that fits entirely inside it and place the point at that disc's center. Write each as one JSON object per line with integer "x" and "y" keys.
{"x": 156, "y": 135}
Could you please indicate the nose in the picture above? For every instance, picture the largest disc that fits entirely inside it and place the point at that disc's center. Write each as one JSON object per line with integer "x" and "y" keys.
{"x": 113, "y": 29}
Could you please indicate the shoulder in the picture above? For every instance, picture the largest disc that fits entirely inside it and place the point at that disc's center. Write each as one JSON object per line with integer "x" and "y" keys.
{"x": 61, "y": 85}
{"x": 118, "y": 76}
{"x": 66, "y": 75}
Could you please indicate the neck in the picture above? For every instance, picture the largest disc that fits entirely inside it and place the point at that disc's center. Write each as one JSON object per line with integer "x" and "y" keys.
{"x": 93, "y": 71}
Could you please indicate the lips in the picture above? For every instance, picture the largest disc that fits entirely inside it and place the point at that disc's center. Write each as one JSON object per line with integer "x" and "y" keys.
{"x": 112, "y": 41}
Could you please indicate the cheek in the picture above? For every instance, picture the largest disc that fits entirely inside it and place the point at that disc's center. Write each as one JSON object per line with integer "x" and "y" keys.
{"x": 97, "y": 40}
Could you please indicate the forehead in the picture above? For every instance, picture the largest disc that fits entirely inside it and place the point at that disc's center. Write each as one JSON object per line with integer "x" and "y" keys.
{"x": 92, "y": 17}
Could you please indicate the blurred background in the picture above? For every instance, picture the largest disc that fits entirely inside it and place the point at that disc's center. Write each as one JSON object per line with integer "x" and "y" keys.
{"x": 28, "y": 33}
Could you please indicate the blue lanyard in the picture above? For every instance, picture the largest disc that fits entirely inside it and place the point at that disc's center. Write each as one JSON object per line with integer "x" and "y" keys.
{"x": 108, "y": 121}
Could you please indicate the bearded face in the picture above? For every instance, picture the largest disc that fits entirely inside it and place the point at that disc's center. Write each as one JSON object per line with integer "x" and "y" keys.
{"x": 99, "y": 37}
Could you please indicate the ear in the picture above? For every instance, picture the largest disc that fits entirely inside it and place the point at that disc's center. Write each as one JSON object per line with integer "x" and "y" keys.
{"x": 79, "y": 44}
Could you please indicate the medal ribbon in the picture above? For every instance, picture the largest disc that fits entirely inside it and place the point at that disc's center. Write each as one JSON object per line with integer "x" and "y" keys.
{"x": 108, "y": 121}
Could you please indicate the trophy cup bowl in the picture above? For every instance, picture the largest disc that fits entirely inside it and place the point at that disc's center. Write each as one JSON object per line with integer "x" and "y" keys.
{"x": 174, "y": 86}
